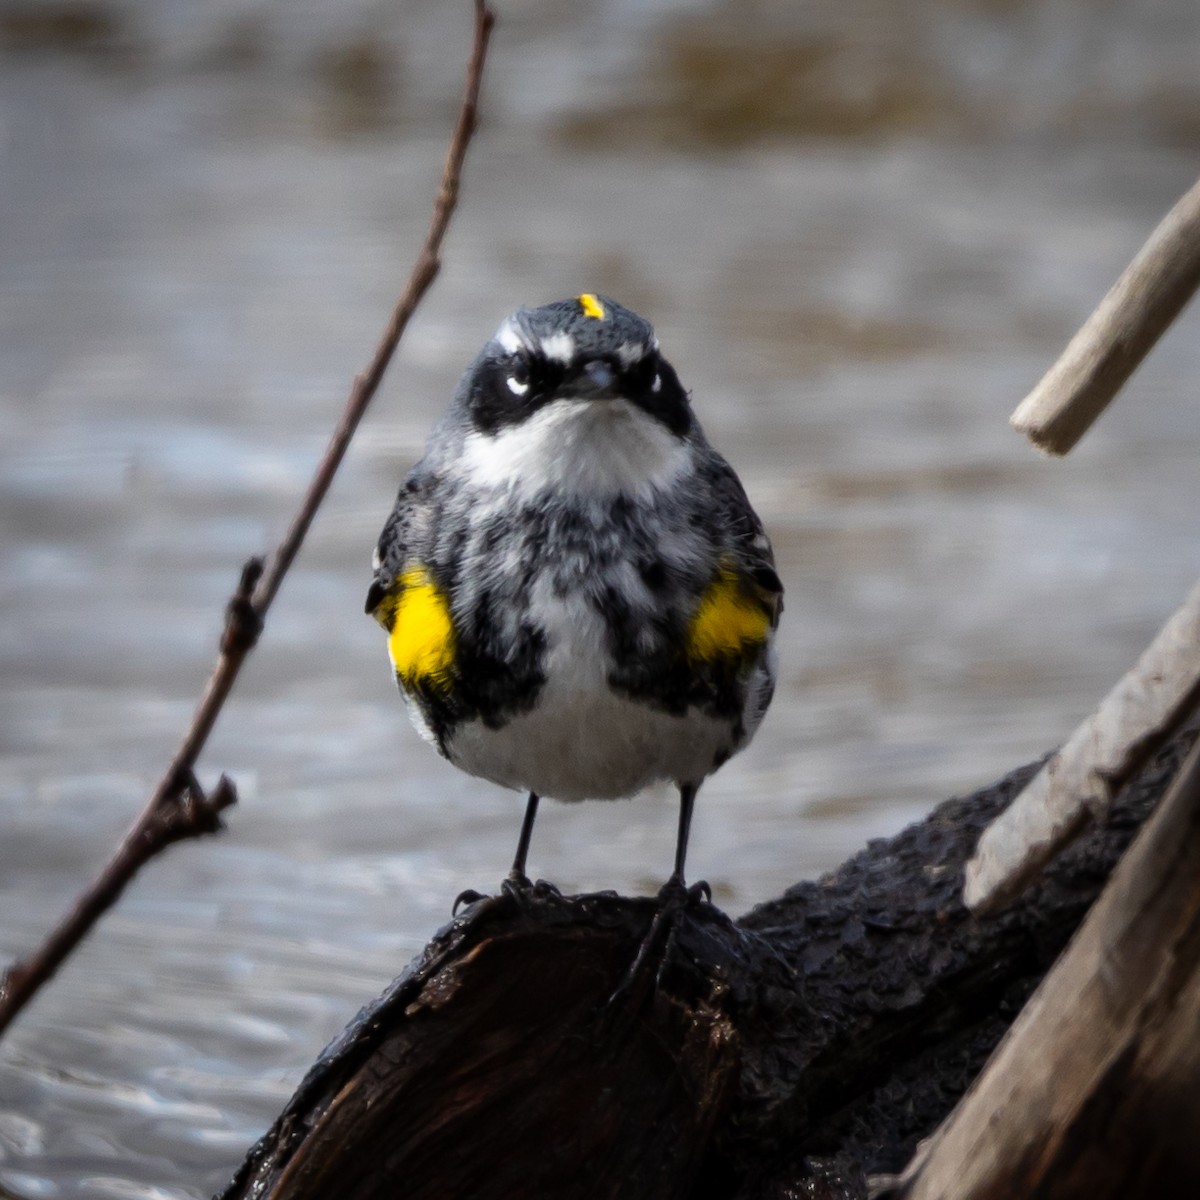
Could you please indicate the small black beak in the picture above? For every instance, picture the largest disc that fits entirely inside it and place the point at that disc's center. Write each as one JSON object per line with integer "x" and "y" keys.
{"x": 601, "y": 377}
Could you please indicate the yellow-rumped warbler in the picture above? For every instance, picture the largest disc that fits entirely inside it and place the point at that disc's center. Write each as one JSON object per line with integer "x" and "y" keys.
{"x": 578, "y": 597}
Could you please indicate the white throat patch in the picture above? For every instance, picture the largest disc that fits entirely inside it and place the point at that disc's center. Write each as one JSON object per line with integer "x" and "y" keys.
{"x": 583, "y": 447}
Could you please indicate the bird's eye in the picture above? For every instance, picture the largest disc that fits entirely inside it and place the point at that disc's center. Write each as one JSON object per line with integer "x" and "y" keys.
{"x": 518, "y": 377}
{"x": 649, "y": 373}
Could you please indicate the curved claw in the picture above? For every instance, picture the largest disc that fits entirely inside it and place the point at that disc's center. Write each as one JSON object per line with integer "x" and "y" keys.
{"x": 470, "y": 896}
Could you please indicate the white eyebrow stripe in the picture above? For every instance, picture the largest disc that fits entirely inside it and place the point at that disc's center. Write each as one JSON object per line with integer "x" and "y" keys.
{"x": 630, "y": 353}
{"x": 559, "y": 346}
{"x": 508, "y": 337}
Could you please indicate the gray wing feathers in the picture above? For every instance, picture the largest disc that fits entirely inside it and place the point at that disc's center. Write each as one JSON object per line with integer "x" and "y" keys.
{"x": 394, "y": 542}
{"x": 749, "y": 544}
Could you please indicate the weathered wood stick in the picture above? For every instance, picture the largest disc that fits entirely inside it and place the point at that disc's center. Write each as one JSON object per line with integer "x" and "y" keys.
{"x": 1079, "y": 781}
{"x": 1143, "y": 302}
{"x": 1093, "y": 1092}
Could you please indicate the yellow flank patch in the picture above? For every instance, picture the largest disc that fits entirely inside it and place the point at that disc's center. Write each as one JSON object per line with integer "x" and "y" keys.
{"x": 591, "y": 306}
{"x": 421, "y": 633}
{"x": 730, "y": 621}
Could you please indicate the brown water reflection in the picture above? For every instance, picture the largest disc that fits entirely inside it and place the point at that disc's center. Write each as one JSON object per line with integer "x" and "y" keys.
{"x": 861, "y": 240}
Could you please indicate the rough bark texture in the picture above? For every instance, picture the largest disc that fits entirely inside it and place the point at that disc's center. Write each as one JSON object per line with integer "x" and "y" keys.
{"x": 792, "y": 1053}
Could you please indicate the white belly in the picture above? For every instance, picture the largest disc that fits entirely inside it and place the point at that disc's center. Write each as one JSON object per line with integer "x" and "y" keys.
{"x": 583, "y": 741}
{"x": 591, "y": 745}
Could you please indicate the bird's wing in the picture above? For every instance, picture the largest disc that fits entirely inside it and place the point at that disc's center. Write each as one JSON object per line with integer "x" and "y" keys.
{"x": 748, "y": 545}
{"x": 396, "y": 541}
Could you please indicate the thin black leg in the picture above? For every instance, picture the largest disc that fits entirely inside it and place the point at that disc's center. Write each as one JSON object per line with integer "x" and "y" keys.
{"x": 518, "y": 867}
{"x": 687, "y": 801}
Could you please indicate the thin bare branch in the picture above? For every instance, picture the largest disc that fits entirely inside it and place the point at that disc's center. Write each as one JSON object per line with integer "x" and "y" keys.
{"x": 178, "y": 808}
{"x": 1143, "y": 302}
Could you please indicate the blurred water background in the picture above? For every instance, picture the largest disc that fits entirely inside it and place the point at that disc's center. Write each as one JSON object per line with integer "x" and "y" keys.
{"x": 862, "y": 229}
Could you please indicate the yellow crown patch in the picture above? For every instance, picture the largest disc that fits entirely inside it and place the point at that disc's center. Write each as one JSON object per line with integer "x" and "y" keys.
{"x": 591, "y": 306}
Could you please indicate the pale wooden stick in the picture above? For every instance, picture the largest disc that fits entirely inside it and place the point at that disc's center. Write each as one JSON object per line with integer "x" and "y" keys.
{"x": 1080, "y": 780}
{"x": 1149, "y": 295}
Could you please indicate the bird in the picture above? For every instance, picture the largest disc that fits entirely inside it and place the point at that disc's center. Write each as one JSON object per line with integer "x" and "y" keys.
{"x": 578, "y": 597}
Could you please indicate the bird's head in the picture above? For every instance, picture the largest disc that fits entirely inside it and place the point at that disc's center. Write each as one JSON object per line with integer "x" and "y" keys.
{"x": 587, "y": 349}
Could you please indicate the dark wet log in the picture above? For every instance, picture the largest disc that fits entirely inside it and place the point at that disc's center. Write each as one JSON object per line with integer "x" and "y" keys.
{"x": 792, "y": 1053}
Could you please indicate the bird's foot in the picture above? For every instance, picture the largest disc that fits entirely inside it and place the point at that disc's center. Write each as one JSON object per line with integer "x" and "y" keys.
{"x": 676, "y": 893}
{"x": 515, "y": 886}
{"x": 645, "y": 973}
{"x": 516, "y": 881}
